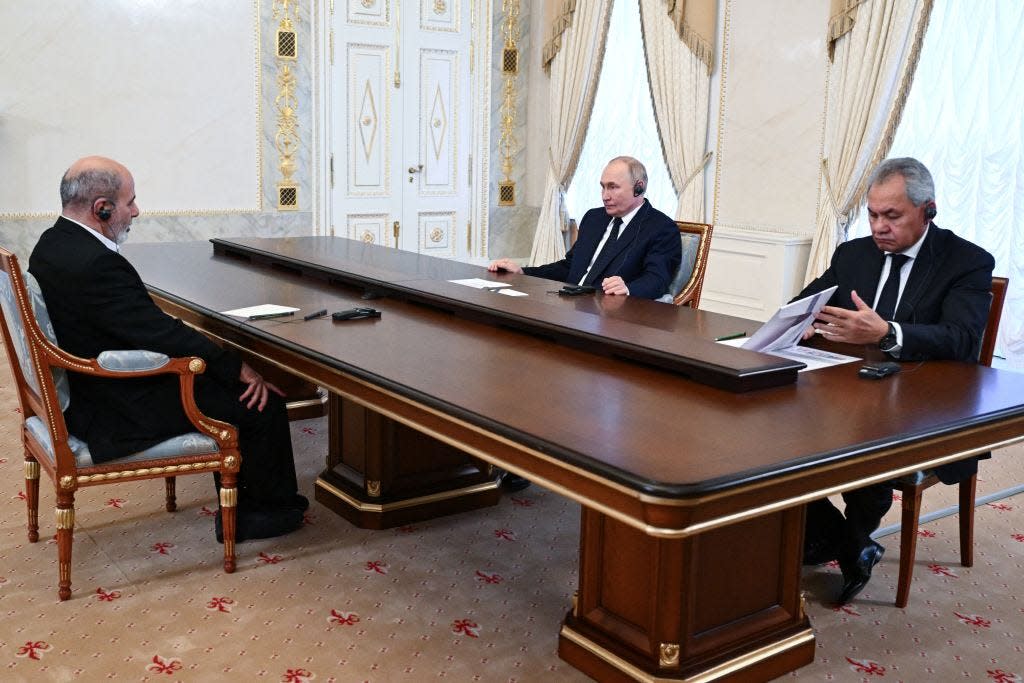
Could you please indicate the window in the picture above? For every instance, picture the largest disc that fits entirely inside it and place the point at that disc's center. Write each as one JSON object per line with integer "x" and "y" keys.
{"x": 963, "y": 120}
{"x": 622, "y": 122}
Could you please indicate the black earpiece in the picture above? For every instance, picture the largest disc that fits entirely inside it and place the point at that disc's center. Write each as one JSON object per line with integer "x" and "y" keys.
{"x": 638, "y": 188}
{"x": 930, "y": 211}
{"x": 104, "y": 212}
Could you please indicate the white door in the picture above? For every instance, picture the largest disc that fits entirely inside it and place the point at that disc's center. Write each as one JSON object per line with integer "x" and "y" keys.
{"x": 401, "y": 124}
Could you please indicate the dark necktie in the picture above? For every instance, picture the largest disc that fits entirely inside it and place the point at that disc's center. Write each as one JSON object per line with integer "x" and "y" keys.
{"x": 606, "y": 249}
{"x": 886, "y": 307}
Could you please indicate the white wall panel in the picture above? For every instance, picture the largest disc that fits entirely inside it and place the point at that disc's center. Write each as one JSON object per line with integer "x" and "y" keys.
{"x": 98, "y": 77}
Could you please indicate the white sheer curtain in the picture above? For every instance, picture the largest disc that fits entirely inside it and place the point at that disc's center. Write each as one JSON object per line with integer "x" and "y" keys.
{"x": 622, "y": 122}
{"x": 574, "y": 76}
{"x": 680, "y": 83}
{"x": 868, "y": 84}
{"x": 964, "y": 120}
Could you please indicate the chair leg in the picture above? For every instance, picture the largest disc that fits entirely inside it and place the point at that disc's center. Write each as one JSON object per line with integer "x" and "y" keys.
{"x": 65, "y": 514}
{"x": 32, "y": 497}
{"x": 228, "y": 518}
{"x": 968, "y": 492}
{"x": 172, "y": 499}
{"x": 908, "y": 542}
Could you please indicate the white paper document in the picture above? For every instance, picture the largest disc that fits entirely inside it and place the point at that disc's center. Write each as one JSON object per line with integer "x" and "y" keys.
{"x": 512, "y": 292}
{"x": 781, "y": 335}
{"x": 479, "y": 283}
{"x": 787, "y": 326}
{"x": 262, "y": 309}
{"x": 813, "y": 358}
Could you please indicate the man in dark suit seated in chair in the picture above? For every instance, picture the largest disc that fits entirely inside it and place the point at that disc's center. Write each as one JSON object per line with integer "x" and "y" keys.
{"x": 627, "y": 247}
{"x": 920, "y": 293}
{"x": 97, "y": 302}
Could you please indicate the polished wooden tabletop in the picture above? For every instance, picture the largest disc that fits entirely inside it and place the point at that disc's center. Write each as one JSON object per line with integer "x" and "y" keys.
{"x": 642, "y": 332}
{"x": 647, "y": 431}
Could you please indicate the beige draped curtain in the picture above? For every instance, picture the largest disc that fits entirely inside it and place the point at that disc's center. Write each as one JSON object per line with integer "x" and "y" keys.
{"x": 573, "y": 56}
{"x": 875, "y": 45}
{"x": 678, "y": 44}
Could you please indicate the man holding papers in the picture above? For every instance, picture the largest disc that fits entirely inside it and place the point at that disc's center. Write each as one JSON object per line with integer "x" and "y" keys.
{"x": 920, "y": 293}
{"x": 97, "y": 302}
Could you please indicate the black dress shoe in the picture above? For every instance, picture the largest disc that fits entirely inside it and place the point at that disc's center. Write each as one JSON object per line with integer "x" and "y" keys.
{"x": 857, "y": 574}
{"x": 252, "y": 524}
{"x": 513, "y": 482}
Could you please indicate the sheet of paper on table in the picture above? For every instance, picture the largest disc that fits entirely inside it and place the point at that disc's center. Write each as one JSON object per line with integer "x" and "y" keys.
{"x": 261, "y": 309}
{"x": 479, "y": 283}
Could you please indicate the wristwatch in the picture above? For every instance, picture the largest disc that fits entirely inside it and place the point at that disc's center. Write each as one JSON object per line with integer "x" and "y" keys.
{"x": 888, "y": 342}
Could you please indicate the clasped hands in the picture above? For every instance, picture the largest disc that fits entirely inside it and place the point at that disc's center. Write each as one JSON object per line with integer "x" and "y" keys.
{"x": 610, "y": 285}
{"x": 860, "y": 326}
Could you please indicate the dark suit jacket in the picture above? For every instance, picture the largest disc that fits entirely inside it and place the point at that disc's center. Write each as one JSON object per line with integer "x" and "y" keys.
{"x": 97, "y": 302}
{"x": 945, "y": 303}
{"x": 944, "y": 307}
{"x": 646, "y": 256}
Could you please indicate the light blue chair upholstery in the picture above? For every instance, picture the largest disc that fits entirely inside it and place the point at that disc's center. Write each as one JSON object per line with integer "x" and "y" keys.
{"x": 686, "y": 284}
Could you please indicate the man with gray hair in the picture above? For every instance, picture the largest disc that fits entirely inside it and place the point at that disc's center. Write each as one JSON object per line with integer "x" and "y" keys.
{"x": 97, "y": 302}
{"x": 916, "y": 291}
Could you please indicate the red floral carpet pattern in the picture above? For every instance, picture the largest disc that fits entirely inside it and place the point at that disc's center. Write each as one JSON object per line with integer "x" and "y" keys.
{"x": 472, "y": 597}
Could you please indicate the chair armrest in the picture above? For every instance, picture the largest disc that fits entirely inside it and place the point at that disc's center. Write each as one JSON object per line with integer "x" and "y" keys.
{"x": 128, "y": 361}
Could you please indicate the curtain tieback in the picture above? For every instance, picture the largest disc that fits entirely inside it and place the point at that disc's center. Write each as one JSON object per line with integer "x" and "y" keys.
{"x": 699, "y": 169}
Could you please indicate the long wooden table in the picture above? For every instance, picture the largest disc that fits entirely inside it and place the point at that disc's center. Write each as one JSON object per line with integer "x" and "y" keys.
{"x": 693, "y": 496}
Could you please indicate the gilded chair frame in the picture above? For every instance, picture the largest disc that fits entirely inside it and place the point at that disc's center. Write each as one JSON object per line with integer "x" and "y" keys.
{"x": 689, "y": 294}
{"x": 40, "y": 399}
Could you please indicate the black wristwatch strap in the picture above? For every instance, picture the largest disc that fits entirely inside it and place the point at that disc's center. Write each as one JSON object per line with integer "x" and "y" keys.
{"x": 888, "y": 342}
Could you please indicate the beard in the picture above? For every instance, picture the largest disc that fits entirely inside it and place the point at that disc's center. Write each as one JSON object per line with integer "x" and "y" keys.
{"x": 120, "y": 232}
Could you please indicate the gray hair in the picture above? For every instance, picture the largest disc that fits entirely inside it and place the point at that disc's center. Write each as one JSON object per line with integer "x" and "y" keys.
{"x": 920, "y": 186}
{"x": 88, "y": 186}
{"x": 637, "y": 171}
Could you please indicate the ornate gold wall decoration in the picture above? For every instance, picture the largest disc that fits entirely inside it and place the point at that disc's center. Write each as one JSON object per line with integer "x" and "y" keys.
{"x": 510, "y": 31}
{"x": 287, "y": 138}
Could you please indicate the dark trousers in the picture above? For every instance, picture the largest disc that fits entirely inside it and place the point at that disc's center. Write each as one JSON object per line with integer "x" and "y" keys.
{"x": 267, "y": 474}
{"x": 848, "y": 534}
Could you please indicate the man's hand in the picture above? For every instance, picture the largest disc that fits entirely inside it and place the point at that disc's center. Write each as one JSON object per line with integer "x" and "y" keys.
{"x": 505, "y": 264}
{"x": 614, "y": 285}
{"x": 257, "y": 391}
{"x": 862, "y": 326}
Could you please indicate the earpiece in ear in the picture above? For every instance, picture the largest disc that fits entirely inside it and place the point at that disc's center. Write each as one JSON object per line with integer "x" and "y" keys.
{"x": 638, "y": 188}
{"x": 104, "y": 213}
{"x": 930, "y": 211}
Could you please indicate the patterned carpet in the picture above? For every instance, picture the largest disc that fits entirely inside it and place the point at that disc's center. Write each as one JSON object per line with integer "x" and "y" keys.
{"x": 473, "y": 597}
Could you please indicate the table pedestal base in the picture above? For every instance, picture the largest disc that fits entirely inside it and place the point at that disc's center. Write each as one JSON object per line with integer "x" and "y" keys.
{"x": 719, "y": 606}
{"x": 381, "y": 474}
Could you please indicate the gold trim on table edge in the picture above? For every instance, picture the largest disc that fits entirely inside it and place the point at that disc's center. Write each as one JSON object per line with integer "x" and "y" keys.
{"x": 714, "y": 673}
{"x": 645, "y": 499}
{"x": 380, "y": 508}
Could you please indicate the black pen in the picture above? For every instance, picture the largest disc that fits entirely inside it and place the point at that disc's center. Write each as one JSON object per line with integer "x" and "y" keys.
{"x": 316, "y": 314}
{"x": 266, "y": 316}
{"x": 727, "y": 337}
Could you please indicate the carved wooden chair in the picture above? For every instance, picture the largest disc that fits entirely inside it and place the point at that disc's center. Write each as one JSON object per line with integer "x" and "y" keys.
{"x": 912, "y": 486}
{"x": 39, "y": 368}
{"x": 684, "y": 290}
